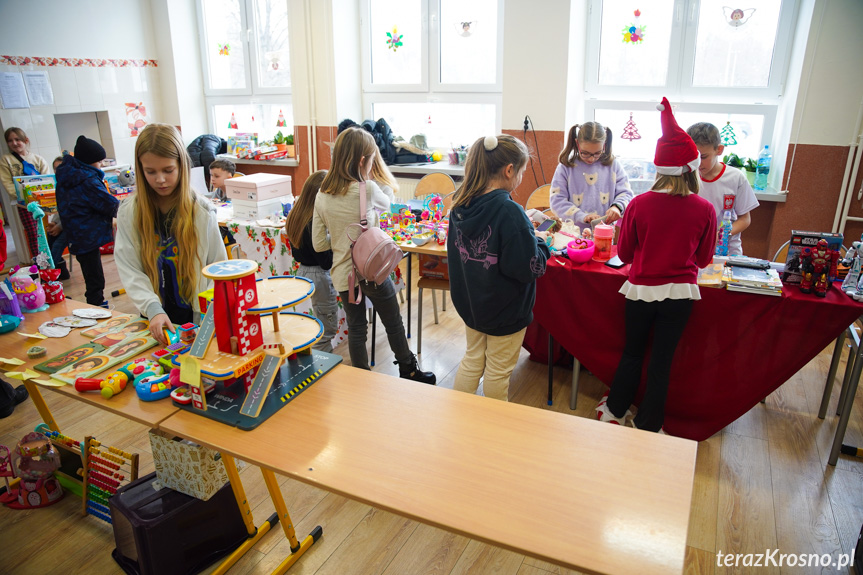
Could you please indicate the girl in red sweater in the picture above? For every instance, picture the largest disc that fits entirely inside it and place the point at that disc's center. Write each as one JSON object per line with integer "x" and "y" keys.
{"x": 667, "y": 234}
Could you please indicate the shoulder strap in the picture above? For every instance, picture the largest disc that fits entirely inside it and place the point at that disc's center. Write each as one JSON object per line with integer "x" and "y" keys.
{"x": 363, "y": 219}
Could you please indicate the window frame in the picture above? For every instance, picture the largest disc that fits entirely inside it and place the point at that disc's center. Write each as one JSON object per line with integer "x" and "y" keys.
{"x": 250, "y": 56}
{"x": 681, "y": 61}
{"x": 430, "y": 89}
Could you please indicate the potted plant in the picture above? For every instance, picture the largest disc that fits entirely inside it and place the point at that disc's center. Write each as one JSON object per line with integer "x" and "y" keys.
{"x": 279, "y": 141}
{"x": 289, "y": 141}
{"x": 750, "y": 167}
{"x": 733, "y": 160}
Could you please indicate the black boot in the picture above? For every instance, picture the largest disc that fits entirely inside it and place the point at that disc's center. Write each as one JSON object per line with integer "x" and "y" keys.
{"x": 413, "y": 372}
{"x": 64, "y": 271}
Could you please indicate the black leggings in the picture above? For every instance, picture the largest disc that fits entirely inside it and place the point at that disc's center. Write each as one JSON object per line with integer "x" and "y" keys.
{"x": 667, "y": 319}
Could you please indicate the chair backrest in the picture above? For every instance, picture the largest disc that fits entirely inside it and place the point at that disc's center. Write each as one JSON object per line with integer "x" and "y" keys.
{"x": 447, "y": 202}
{"x": 782, "y": 252}
{"x": 436, "y": 183}
{"x": 539, "y": 199}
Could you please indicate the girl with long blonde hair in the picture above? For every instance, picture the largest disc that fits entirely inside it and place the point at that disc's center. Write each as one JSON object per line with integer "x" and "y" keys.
{"x": 337, "y": 207}
{"x": 166, "y": 233}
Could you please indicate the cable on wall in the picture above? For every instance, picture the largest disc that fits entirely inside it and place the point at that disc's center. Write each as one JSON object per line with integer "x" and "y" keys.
{"x": 528, "y": 125}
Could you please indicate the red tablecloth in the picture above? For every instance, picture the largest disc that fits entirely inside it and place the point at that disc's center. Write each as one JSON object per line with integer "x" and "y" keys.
{"x": 737, "y": 348}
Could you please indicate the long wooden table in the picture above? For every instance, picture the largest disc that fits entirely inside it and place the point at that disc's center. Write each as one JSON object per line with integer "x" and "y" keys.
{"x": 581, "y": 494}
{"x": 585, "y": 495}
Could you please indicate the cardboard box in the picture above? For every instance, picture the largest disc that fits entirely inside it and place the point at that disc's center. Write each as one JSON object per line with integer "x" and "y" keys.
{"x": 245, "y": 210}
{"x": 258, "y": 187}
{"x": 26, "y": 186}
{"x": 188, "y": 468}
{"x": 436, "y": 267}
{"x": 799, "y": 240}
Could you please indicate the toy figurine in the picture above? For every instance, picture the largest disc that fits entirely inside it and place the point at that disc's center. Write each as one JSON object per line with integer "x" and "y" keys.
{"x": 28, "y": 287}
{"x": 35, "y": 460}
{"x": 816, "y": 265}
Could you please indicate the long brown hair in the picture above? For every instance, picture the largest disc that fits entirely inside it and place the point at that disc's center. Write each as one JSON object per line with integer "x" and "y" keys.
{"x": 382, "y": 174}
{"x": 484, "y": 164}
{"x": 681, "y": 185}
{"x": 164, "y": 140}
{"x": 352, "y": 147}
{"x": 588, "y": 132}
{"x": 304, "y": 208}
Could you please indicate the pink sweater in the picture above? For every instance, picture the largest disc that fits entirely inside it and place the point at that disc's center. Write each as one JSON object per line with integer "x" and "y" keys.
{"x": 667, "y": 238}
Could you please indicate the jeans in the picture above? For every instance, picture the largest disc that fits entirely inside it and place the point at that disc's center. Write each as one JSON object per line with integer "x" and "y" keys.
{"x": 383, "y": 297}
{"x": 495, "y": 356}
{"x": 324, "y": 303}
{"x": 667, "y": 319}
{"x": 94, "y": 278}
{"x": 57, "y": 244}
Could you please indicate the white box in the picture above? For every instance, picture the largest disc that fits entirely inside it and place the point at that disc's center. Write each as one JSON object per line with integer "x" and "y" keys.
{"x": 258, "y": 210}
{"x": 258, "y": 187}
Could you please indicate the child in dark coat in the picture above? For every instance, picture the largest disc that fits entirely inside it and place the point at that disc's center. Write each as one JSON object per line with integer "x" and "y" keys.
{"x": 87, "y": 210}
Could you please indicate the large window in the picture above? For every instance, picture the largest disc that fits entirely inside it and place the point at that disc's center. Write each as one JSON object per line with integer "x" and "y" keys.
{"x": 247, "y": 74}
{"x": 716, "y": 63}
{"x": 434, "y": 67}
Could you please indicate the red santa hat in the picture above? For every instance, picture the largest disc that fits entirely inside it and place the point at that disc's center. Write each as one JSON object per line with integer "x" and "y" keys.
{"x": 676, "y": 153}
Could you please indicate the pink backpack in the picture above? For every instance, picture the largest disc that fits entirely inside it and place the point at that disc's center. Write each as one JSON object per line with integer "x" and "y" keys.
{"x": 375, "y": 255}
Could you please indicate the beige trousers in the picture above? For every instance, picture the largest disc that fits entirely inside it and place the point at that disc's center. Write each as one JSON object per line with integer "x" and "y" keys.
{"x": 491, "y": 357}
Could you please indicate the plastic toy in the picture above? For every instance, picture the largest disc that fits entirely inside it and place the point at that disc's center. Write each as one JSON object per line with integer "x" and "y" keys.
{"x": 153, "y": 387}
{"x": 43, "y": 258}
{"x": 28, "y": 288}
{"x": 35, "y": 460}
{"x": 117, "y": 381}
{"x": 580, "y": 251}
{"x": 816, "y": 265}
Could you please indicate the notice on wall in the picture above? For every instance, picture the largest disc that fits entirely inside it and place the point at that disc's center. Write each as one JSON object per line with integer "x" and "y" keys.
{"x": 12, "y": 90}
{"x": 39, "y": 88}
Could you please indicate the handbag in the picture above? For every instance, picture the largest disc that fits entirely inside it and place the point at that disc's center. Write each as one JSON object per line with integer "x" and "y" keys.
{"x": 374, "y": 254}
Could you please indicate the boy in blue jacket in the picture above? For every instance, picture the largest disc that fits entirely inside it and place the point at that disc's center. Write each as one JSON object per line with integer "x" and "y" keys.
{"x": 87, "y": 210}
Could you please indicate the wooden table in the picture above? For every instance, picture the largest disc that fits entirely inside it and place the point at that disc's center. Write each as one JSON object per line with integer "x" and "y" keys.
{"x": 582, "y": 494}
{"x": 431, "y": 248}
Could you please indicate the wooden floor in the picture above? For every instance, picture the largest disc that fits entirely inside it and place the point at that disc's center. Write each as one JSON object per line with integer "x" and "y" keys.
{"x": 761, "y": 483}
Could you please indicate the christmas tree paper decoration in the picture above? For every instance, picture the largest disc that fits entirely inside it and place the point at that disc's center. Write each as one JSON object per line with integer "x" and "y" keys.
{"x": 727, "y": 135}
{"x": 232, "y": 123}
{"x": 630, "y": 132}
{"x": 280, "y": 123}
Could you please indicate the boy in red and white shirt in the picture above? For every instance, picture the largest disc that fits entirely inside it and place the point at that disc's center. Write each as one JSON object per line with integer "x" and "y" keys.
{"x": 718, "y": 181}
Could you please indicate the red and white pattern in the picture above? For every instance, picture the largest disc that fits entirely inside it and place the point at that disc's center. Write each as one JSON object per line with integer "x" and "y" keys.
{"x": 248, "y": 327}
{"x": 76, "y": 62}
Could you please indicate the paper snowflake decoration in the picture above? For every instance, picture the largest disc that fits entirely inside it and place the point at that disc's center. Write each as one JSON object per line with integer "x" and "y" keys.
{"x": 394, "y": 39}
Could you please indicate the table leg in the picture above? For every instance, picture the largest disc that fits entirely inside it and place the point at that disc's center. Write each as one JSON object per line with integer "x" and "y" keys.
{"x": 410, "y": 258}
{"x": 246, "y": 512}
{"x": 297, "y": 548}
{"x": 374, "y": 325}
{"x": 550, "y": 365}
{"x": 41, "y": 406}
{"x": 831, "y": 375}
{"x": 846, "y": 407}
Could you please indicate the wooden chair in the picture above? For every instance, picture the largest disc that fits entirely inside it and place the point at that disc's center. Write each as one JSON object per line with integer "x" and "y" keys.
{"x": 539, "y": 199}
{"x": 435, "y": 183}
{"x": 447, "y": 202}
{"x": 432, "y": 284}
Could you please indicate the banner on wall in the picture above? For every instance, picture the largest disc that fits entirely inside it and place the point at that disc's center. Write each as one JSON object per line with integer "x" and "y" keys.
{"x": 136, "y": 117}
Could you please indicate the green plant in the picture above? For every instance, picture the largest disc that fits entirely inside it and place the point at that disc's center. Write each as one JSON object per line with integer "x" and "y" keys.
{"x": 279, "y": 138}
{"x": 290, "y": 140}
{"x": 751, "y": 165}
{"x": 733, "y": 160}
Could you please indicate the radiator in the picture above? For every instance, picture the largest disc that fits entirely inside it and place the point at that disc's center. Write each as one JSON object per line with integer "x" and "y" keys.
{"x": 406, "y": 188}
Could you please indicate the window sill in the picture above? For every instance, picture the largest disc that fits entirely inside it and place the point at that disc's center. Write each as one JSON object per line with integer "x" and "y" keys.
{"x": 293, "y": 162}
{"x": 423, "y": 169}
{"x": 770, "y": 195}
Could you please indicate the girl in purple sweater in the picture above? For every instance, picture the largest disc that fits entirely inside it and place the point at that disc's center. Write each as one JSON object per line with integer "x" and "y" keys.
{"x": 667, "y": 234}
{"x": 589, "y": 183}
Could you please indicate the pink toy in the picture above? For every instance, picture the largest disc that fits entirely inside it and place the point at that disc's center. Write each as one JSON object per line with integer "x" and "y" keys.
{"x": 28, "y": 288}
{"x": 580, "y": 251}
{"x": 35, "y": 460}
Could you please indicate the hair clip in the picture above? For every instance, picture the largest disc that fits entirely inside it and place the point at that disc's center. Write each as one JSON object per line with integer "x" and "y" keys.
{"x": 490, "y": 143}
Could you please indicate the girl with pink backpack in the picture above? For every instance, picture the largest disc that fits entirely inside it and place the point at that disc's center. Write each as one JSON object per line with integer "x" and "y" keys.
{"x": 337, "y": 208}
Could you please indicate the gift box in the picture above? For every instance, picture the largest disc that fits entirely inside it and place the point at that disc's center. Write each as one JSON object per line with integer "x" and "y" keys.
{"x": 186, "y": 467}
{"x": 54, "y": 292}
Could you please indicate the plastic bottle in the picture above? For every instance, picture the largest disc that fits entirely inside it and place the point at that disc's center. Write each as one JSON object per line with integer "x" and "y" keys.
{"x": 764, "y": 159}
{"x": 602, "y": 237}
{"x": 724, "y": 234}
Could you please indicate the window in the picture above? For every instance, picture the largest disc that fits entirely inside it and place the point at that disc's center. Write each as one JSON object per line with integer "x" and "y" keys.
{"x": 715, "y": 63}
{"x": 434, "y": 67}
{"x": 247, "y": 75}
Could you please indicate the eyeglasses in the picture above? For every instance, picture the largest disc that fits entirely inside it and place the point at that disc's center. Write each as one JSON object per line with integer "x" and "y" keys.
{"x": 588, "y": 155}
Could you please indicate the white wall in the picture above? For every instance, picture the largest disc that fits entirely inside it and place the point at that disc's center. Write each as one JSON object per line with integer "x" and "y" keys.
{"x": 82, "y": 29}
{"x": 535, "y": 57}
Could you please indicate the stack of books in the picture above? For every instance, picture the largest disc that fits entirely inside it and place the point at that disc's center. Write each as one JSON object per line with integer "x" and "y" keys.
{"x": 758, "y": 281}
{"x": 712, "y": 276}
